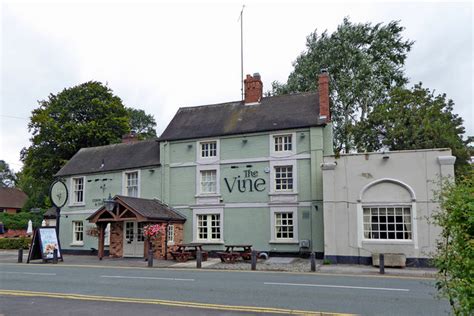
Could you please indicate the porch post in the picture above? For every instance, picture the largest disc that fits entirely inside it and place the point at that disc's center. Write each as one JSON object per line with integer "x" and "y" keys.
{"x": 101, "y": 239}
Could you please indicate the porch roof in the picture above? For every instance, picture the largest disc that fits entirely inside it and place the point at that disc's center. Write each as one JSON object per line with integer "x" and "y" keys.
{"x": 152, "y": 210}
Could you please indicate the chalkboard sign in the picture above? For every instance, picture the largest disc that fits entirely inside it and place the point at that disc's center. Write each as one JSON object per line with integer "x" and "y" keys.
{"x": 44, "y": 241}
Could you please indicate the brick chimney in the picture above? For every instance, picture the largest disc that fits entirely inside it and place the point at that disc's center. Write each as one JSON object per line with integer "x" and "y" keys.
{"x": 323, "y": 89}
{"x": 253, "y": 88}
{"x": 131, "y": 137}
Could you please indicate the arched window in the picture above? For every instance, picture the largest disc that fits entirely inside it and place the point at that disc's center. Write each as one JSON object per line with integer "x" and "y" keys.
{"x": 387, "y": 208}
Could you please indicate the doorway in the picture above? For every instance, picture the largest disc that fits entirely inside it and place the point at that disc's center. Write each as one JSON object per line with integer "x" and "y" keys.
{"x": 133, "y": 239}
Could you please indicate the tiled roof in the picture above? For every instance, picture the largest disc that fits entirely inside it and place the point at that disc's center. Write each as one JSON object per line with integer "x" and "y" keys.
{"x": 113, "y": 157}
{"x": 272, "y": 113}
{"x": 12, "y": 198}
{"x": 151, "y": 208}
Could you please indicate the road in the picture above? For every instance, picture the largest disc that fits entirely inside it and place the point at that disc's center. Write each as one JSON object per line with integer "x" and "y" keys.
{"x": 76, "y": 290}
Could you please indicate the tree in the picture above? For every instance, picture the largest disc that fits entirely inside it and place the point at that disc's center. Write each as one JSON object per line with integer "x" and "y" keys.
{"x": 82, "y": 116}
{"x": 455, "y": 253}
{"x": 414, "y": 119}
{"x": 7, "y": 177}
{"x": 364, "y": 61}
{"x": 143, "y": 124}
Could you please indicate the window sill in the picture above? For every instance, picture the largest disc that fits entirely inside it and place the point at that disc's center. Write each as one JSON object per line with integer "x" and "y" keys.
{"x": 282, "y": 154}
{"x": 76, "y": 244}
{"x": 283, "y": 193}
{"x": 77, "y": 204}
{"x": 208, "y": 242}
{"x": 388, "y": 241}
{"x": 292, "y": 241}
{"x": 208, "y": 195}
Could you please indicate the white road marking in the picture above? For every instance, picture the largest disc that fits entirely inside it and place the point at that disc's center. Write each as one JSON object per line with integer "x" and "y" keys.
{"x": 339, "y": 286}
{"x": 30, "y": 273}
{"x": 142, "y": 278}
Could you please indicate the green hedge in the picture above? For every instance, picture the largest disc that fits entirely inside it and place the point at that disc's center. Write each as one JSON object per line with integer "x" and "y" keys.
{"x": 20, "y": 220}
{"x": 14, "y": 243}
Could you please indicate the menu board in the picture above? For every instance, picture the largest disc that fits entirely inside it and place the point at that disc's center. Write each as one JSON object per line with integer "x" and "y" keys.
{"x": 49, "y": 242}
{"x": 44, "y": 241}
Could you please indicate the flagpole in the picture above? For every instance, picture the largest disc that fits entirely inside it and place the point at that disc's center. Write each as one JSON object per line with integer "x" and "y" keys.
{"x": 242, "y": 52}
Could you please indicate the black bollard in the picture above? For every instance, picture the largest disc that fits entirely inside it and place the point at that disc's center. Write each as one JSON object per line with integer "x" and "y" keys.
{"x": 55, "y": 256}
{"x": 313, "y": 262}
{"x": 382, "y": 263}
{"x": 254, "y": 260}
{"x": 198, "y": 259}
{"x": 150, "y": 255}
{"x": 20, "y": 255}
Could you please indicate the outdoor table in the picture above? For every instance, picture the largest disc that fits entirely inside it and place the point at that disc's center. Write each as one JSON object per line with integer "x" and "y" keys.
{"x": 185, "y": 251}
{"x": 233, "y": 252}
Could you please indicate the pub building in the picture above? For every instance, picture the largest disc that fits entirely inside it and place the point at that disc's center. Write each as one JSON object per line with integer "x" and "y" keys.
{"x": 243, "y": 172}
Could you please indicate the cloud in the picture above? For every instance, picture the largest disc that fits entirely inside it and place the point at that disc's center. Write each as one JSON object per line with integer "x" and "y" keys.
{"x": 162, "y": 56}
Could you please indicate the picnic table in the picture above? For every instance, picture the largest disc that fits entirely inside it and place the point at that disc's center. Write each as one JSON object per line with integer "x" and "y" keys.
{"x": 233, "y": 252}
{"x": 183, "y": 252}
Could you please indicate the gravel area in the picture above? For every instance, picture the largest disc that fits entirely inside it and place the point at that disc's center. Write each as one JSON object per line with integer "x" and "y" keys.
{"x": 297, "y": 265}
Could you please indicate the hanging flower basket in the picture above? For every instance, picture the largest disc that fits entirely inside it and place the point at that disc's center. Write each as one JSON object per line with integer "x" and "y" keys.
{"x": 154, "y": 231}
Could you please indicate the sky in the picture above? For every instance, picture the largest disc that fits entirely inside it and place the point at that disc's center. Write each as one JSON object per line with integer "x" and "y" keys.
{"x": 159, "y": 56}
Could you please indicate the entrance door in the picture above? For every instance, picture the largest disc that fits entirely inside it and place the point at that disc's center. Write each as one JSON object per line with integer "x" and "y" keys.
{"x": 133, "y": 239}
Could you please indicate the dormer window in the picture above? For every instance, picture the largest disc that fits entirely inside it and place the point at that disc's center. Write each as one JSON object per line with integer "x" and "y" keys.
{"x": 208, "y": 149}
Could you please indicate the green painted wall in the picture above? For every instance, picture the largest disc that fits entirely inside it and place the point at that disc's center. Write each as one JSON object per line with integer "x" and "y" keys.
{"x": 97, "y": 188}
{"x": 175, "y": 183}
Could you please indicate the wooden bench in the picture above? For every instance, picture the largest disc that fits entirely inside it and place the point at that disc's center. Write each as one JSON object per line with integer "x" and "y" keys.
{"x": 183, "y": 252}
{"x": 229, "y": 257}
{"x": 181, "y": 256}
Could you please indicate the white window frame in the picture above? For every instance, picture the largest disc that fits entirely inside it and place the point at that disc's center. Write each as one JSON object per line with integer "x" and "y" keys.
{"x": 73, "y": 201}
{"x": 75, "y": 241}
{"x": 205, "y": 160}
{"x": 170, "y": 234}
{"x": 277, "y": 210}
{"x": 125, "y": 182}
{"x": 388, "y": 240}
{"x": 360, "y": 218}
{"x": 198, "y": 180}
{"x": 282, "y": 163}
{"x": 283, "y": 153}
{"x": 207, "y": 211}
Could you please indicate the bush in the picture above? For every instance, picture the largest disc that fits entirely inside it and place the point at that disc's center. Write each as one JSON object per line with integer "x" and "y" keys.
{"x": 455, "y": 254}
{"x": 15, "y": 243}
{"x": 20, "y": 220}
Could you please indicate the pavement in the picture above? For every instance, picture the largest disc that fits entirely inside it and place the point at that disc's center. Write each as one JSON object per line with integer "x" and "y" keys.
{"x": 273, "y": 264}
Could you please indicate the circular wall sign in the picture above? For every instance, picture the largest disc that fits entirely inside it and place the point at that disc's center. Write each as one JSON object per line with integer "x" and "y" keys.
{"x": 58, "y": 193}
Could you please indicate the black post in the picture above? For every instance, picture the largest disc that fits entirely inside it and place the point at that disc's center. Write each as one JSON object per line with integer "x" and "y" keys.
{"x": 382, "y": 263}
{"x": 313, "y": 262}
{"x": 198, "y": 259}
{"x": 254, "y": 260}
{"x": 58, "y": 216}
{"x": 150, "y": 253}
{"x": 20, "y": 255}
{"x": 55, "y": 256}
